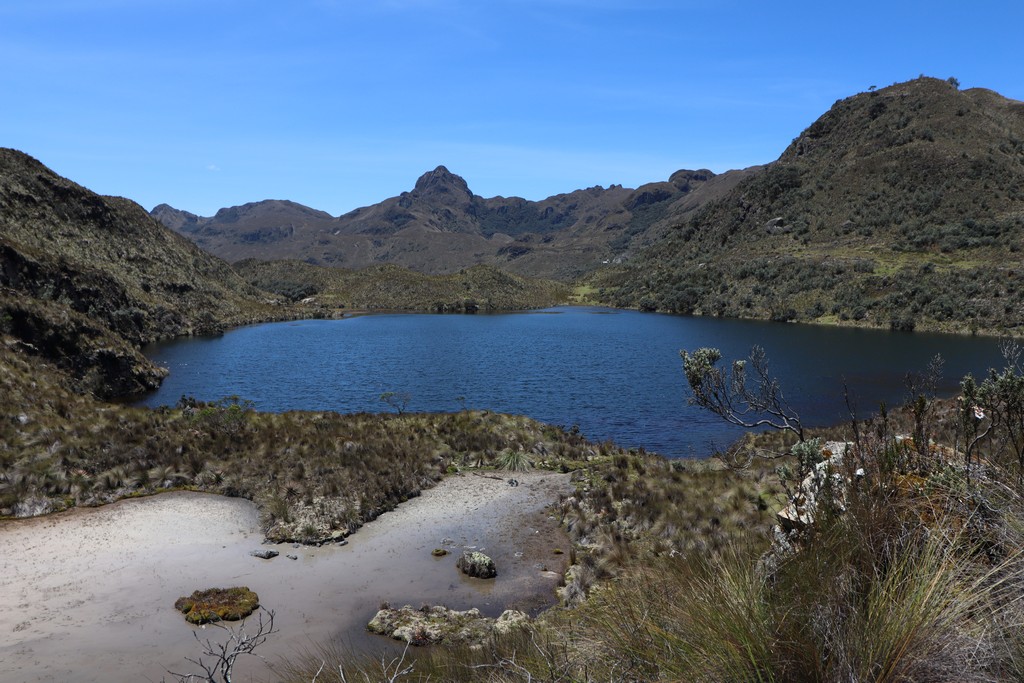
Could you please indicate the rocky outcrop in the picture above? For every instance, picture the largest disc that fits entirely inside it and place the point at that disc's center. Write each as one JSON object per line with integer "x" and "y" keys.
{"x": 438, "y": 624}
{"x": 477, "y": 565}
{"x": 824, "y": 479}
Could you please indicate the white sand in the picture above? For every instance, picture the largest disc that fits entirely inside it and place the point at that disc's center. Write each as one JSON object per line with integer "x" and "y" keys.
{"x": 88, "y": 595}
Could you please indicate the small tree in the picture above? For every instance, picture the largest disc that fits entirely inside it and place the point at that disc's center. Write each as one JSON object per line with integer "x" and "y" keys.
{"x": 745, "y": 395}
{"x": 1000, "y": 398}
{"x": 973, "y": 425}
{"x": 396, "y": 399}
{"x": 218, "y": 659}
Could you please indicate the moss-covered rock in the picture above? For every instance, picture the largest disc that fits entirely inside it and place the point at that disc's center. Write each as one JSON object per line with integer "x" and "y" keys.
{"x": 215, "y": 604}
{"x": 477, "y": 565}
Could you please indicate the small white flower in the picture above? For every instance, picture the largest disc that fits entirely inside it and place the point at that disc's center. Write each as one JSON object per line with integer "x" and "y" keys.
{"x": 979, "y": 413}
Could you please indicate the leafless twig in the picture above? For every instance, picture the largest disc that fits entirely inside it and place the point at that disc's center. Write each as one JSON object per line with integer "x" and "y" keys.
{"x": 218, "y": 659}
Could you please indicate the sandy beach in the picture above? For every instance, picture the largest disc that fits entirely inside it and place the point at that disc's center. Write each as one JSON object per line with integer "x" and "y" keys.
{"x": 88, "y": 595}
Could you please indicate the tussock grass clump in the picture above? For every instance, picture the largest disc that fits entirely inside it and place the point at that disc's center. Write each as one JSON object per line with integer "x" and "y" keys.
{"x": 514, "y": 461}
{"x": 639, "y": 503}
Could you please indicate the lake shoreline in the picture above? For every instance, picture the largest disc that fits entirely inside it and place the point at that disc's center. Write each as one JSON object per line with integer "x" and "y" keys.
{"x": 615, "y": 373}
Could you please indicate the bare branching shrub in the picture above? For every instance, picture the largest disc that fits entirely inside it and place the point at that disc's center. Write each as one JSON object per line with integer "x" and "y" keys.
{"x": 218, "y": 659}
{"x": 745, "y": 395}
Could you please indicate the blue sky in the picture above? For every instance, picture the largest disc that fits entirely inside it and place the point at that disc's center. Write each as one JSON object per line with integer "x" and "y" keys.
{"x": 341, "y": 103}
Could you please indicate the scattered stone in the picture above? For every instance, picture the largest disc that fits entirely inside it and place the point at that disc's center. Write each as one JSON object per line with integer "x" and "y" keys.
{"x": 292, "y": 557}
{"x": 510, "y": 620}
{"x": 438, "y": 552}
{"x": 438, "y": 624}
{"x": 214, "y": 604}
{"x": 477, "y": 564}
{"x": 776, "y": 226}
{"x": 265, "y": 554}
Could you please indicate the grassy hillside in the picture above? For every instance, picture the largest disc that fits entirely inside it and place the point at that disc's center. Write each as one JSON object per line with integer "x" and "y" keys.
{"x": 85, "y": 280}
{"x": 900, "y": 207}
{"x": 390, "y": 287}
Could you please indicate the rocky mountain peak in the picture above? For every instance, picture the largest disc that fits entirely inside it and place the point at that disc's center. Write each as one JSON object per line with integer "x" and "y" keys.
{"x": 441, "y": 181}
{"x": 175, "y": 219}
{"x": 685, "y": 180}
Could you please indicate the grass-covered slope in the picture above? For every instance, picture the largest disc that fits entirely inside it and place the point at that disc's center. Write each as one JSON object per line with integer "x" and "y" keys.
{"x": 899, "y": 207}
{"x": 391, "y": 287}
{"x": 86, "y": 279}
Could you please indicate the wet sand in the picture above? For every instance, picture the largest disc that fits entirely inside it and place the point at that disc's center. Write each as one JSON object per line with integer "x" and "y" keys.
{"x": 88, "y": 595}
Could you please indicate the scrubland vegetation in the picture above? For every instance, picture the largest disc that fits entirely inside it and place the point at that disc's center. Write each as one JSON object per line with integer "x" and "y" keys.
{"x": 313, "y": 475}
{"x": 899, "y": 207}
{"x": 912, "y": 569}
{"x": 391, "y": 287}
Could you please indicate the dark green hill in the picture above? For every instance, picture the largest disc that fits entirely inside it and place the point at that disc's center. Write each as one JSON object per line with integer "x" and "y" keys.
{"x": 480, "y": 288}
{"x": 85, "y": 280}
{"x": 902, "y": 207}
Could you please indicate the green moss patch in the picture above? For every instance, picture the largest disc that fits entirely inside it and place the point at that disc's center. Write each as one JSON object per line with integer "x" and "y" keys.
{"x": 215, "y": 604}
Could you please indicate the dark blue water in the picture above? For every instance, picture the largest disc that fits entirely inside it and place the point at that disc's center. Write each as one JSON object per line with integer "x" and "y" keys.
{"x": 616, "y": 374}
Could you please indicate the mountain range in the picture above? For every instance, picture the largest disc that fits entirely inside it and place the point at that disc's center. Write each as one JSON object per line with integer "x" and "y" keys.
{"x": 901, "y": 206}
{"x": 440, "y": 227}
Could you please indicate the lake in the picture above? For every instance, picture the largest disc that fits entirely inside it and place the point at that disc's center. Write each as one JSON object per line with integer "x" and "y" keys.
{"x": 615, "y": 374}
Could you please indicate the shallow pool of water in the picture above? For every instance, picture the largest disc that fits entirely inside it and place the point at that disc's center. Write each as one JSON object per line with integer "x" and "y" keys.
{"x": 88, "y": 595}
